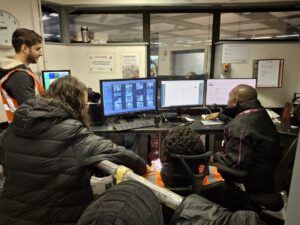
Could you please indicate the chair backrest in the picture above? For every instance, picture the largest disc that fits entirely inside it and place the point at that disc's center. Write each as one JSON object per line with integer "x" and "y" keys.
{"x": 188, "y": 162}
{"x": 283, "y": 172}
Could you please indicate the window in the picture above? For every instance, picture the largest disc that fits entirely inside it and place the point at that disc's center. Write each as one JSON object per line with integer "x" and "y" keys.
{"x": 260, "y": 25}
{"x": 51, "y": 25}
{"x": 180, "y": 37}
{"x": 107, "y": 28}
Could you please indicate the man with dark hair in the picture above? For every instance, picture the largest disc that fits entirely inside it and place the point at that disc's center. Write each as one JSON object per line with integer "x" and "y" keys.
{"x": 18, "y": 83}
{"x": 251, "y": 141}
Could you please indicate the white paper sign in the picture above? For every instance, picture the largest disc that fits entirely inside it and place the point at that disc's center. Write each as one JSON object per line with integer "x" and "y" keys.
{"x": 130, "y": 65}
{"x": 101, "y": 62}
{"x": 268, "y": 73}
{"x": 235, "y": 53}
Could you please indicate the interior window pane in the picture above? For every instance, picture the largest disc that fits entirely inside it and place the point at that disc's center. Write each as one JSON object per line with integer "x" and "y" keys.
{"x": 262, "y": 25}
{"x": 51, "y": 25}
{"x": 180, "y": 43}
{"x": 105, "y": 28}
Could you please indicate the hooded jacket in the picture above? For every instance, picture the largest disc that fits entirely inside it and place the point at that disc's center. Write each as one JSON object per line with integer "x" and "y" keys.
{"x": 47, "y": 156}
{"x": 19, "y": 86}
{"x": 251, "y": 143}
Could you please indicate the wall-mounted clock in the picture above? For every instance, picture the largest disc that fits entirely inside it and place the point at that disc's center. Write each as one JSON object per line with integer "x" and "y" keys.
{"x": 8, "y": 24}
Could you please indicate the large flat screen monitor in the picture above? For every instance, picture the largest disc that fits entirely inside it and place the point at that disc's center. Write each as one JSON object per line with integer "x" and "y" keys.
{"x": 217, "y": 90}
{"x": 181, "y": 93}
{"x": 49, "y": 76}
{"x": 128, "y": 96}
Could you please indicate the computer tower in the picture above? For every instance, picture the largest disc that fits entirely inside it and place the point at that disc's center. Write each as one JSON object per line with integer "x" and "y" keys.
{"x": 96, "y": 114}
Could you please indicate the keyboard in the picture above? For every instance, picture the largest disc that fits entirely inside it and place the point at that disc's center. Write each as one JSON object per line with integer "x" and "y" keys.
{"x": 135, "y": 124}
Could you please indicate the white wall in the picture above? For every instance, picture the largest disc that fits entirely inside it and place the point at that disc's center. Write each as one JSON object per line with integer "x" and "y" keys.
{"x": 75, "y": 58}
{"x": 27, "y": 13}
{"x": 270, "y": 97}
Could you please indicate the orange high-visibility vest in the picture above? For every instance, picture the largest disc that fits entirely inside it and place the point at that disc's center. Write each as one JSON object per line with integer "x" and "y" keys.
{"x": 10, "y": 103}
{"x": 213, "y": 177}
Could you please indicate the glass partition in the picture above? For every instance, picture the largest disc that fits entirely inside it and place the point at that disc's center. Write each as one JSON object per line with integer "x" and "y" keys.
{"x": 180, "y": 43}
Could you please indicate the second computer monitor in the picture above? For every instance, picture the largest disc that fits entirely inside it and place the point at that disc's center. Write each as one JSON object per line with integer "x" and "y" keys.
{"x": 181, "y": 93}
{"x": 217, "y": 90}
{"x": 128, "y": 96}
{"x": 49, "y": 76}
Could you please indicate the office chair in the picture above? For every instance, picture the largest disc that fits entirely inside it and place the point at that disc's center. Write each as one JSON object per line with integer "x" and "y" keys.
{"x": 273, "y": 204}
{"x": 189, "y": 175}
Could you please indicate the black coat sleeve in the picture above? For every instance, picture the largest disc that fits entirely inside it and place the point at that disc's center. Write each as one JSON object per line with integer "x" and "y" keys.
{"x": 2, "y": 135}
{"x": 238, "y": 152}
{"x": 20, "y": 86}
{"x": 90, "y": 149}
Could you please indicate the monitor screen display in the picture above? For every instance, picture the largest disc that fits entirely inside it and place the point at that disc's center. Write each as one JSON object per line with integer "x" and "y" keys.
{"x": 128, "y": 96}
{"x": 217, "y": 90}
{"x": 51, "y": 75}
{"x": 176, "y": 93}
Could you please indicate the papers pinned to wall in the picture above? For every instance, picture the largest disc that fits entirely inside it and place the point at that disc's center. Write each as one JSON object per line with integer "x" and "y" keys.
{"x": 130, "y": 65}
{"x": 235, "y": 53}
{"x": 268, "y": 72}
{"x": 101, "y": 62}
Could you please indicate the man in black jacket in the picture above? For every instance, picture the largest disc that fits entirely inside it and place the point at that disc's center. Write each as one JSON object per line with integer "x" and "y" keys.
{"x": 251, "y": 141}
{"x": 18, "y": 83}
{"x": 48, "y": 154}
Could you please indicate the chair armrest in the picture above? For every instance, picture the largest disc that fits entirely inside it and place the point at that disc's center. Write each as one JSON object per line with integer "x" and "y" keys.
{"x": 233, "y": 174}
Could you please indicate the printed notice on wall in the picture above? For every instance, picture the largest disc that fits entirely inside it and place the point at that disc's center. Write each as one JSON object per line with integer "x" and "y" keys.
{"x": 235, "y": 53}
{"x": 130, "y": 65}
{"x": 101, "y": 62}
{"x": 269, "y": 73}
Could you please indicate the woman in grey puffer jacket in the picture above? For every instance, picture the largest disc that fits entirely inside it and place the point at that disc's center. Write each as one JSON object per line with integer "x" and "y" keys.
{"x": 47, "y": 153}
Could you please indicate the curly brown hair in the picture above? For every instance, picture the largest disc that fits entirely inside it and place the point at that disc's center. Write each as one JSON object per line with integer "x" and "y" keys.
{"x": 182, "y": 141}
{"x": 73, "y": 93}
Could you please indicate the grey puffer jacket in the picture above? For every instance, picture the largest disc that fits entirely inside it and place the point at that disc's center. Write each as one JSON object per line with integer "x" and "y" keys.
{"x": 196, "y": 210}
{"x": 47, "y": 155}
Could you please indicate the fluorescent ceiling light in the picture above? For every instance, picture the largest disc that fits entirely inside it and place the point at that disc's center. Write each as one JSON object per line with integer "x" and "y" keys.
{"x": 193, "y": 42}
{"x": 45, "y": 17}
{"x": 156, "y": 43}
{"x": 287, "y": 35}
{"x": 265, "y": 37}
{"x": 47, "y": 35}
{"x": 53, "y": 14}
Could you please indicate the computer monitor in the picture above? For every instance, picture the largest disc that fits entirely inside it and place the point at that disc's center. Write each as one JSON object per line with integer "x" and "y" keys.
{"x": 128, "y": 96}
{"x": 217, "y": 90}
{"x": 49, "y": 76}
{"x": 181, "y": 93}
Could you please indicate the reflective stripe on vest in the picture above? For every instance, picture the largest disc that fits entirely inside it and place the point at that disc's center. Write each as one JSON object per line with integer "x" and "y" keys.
{"x": 213, "y": 177}
{"x": 10, "y": 103}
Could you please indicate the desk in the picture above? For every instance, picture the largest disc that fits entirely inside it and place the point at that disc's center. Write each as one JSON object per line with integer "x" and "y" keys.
{"x": 211, "y": 130}
{"x": 291, "y": 132}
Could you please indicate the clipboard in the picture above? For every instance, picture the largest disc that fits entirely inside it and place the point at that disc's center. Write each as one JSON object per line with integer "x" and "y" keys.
{"x": 268, "y": 72}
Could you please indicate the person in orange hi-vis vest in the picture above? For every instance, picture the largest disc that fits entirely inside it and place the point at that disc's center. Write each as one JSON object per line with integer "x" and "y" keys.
{"x": 17, "y": 82}
{"x": 181, "y": 141}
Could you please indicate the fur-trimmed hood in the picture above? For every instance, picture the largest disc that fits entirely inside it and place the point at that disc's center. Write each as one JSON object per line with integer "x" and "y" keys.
{"x": 8, "y": 64}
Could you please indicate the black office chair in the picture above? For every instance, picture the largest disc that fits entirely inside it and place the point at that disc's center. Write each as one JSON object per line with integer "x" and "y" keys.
{"x": 275, "y": 203}
{"x": 189, "y": 174}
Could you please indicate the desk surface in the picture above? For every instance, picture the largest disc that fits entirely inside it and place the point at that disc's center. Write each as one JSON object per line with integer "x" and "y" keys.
{"x": 196, "y": 125}
{"x": 164, "y": 127}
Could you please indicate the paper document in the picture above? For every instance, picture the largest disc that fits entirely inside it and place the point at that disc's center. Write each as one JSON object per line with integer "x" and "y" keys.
{"x": 211, "y": 122}
{"x": 272, "y": 114}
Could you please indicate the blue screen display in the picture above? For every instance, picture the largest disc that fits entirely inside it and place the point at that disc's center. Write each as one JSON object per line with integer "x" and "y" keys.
{"x": 128, "y": 96}
{"x": 50, "y": 76}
